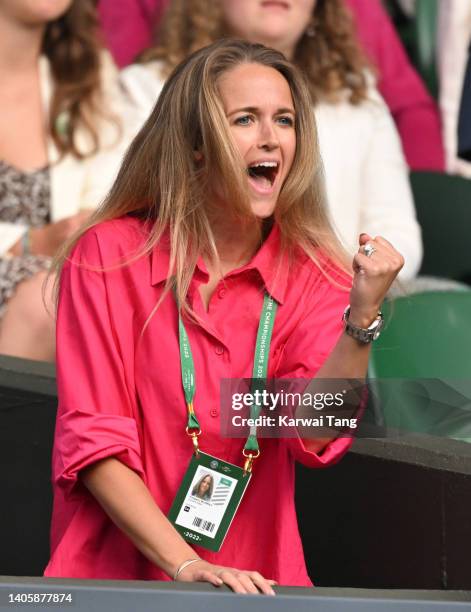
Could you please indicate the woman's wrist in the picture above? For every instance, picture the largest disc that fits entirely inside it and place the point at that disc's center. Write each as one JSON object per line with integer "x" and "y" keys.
{"x": 184, "y": 565}
{"x": 361, "y": 318}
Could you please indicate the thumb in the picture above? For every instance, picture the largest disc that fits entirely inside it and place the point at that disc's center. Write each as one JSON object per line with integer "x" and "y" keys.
{"x": 363, "y": 238}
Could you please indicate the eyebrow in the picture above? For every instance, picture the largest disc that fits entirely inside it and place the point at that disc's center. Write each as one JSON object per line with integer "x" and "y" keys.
{"x": 255, "y": 110}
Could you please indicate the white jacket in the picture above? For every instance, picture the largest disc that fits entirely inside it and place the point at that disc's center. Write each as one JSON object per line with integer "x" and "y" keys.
{"x": 454, "y": 38}
{"x": 78, "y": 184}
{"x": 366, "y": 175}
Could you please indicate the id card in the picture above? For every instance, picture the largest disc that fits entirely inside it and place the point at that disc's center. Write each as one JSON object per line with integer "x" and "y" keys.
{"x": 207, "y": 500}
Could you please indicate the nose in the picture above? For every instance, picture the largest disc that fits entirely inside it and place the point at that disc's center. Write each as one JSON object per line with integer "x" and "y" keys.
{"x": 268, "y": 138}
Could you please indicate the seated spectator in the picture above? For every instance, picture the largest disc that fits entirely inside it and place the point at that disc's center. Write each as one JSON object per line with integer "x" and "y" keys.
{"x": 59, "y": 151}
{"x": 454, "y": 40}
{"x": 414, "y": 111}
{"x": 367, "y": 178}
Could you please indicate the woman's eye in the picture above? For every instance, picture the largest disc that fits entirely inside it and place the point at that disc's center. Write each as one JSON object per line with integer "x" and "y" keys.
{"x": 286, "y": 121}
{"x": 245, "y": 120}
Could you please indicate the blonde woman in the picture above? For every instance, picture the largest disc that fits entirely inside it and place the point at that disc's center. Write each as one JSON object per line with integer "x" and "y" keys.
{"x": 366, "y": 174}
{"x": 218, "y": 209}
{"x": 59, "y": 152}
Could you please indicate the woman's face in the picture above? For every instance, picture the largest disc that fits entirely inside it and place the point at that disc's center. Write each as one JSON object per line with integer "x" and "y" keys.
{"x": 260, "y": 111}
{"x": 34, "y": 12}
{"x": 275, "y": 23}
{"x": 205, "y": 485}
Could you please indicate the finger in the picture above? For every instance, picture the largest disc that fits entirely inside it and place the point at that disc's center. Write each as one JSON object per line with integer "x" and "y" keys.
{"x": 377, "y": 247}
{"x": 248, "y": 583}
{"x": 207, "y": 576}
{"x": 395, "y": 257}
{"x": 385, "y": 243}
{"x": 361, "y": 263}
{"x": 262, "y": 583}
{"x": 363, "y": 238}
{"x": 232, "y": 581}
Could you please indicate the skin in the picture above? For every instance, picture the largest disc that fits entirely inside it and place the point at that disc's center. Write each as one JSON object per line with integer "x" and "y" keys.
{"x": 22, "y": 24}
{"x": 33, "y": 13}
{"x": 275, "y": 23}
{"x": 121, "y": 491}
{"x": 260, "y": 112}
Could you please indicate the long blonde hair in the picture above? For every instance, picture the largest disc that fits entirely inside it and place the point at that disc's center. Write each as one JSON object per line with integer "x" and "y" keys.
{"x": 328, "y": 53}
{"x": 162, "y": 181}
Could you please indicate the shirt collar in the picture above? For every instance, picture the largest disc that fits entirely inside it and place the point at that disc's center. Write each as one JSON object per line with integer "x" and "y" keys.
{"x": 272, "y": 269}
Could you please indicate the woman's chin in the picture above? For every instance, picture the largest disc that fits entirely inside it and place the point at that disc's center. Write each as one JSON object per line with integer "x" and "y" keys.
{"x": 263, "y": 210}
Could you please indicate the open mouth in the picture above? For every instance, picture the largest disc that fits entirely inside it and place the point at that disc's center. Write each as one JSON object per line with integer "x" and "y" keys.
{"x": 263, "y": 173}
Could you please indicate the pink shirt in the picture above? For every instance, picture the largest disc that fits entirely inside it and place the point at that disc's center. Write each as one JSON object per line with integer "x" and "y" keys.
{"x": 121, "y": 395}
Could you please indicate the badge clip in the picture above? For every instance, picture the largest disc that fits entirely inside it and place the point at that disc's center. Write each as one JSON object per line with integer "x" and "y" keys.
{"x": 249, "y": 458}
{"x": 194, "y": 438}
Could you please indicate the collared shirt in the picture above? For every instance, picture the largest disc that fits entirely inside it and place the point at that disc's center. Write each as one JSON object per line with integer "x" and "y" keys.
{"x": 120, "y": 395}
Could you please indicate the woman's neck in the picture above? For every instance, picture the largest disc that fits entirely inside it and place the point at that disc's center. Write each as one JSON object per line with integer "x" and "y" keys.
{"x": 236, "y": 243}
{"x": 20, "y": 45}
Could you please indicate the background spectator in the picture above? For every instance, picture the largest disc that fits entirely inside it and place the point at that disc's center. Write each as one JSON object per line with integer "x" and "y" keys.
{"x": 128, "y": 26}
{"x": 412, "y": 107}
{"x": 454, "y": 38}
{"x": 59, "y": 92}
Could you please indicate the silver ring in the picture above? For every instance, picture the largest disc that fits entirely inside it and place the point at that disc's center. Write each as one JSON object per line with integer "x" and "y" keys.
{"x": 368, "y": 249}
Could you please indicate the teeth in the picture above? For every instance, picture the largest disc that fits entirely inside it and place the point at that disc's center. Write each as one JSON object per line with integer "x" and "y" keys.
{"x": 266, "y": 164}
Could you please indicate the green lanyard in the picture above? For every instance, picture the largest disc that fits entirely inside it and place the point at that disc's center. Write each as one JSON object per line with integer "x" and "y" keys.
{"x": 259, "y": 374}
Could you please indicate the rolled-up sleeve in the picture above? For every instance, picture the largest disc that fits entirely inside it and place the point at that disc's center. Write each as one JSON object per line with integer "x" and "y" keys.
{"x": 305, "y": 352}
{"x": 96, "y": 410}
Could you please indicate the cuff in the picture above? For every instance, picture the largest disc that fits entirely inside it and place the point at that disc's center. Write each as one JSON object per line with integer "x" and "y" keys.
{"x": 83, "y": 438}
{"x": 332, "y": 453}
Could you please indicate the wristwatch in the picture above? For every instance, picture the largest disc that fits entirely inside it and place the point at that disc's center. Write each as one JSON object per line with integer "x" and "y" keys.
{"x": 360, "y": 333}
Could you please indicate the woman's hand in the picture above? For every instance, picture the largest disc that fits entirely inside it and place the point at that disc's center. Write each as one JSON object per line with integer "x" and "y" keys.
{"x": 48, "y": 239}
{"x": 240, "y": 581}
{"x": 372, "y": 278}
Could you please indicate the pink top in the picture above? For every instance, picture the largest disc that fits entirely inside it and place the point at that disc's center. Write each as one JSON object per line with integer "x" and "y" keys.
{"x": 128, "y": 26}
{"x": 121, "y": 395}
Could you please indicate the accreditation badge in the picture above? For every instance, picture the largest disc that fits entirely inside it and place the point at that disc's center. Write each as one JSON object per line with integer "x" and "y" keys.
{"x": 207, "y": 500}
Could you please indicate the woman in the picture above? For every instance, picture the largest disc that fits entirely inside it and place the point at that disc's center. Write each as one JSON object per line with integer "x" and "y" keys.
{"x": 58, "y": 95}
{"x": 366, "y": 175}
{"x": 204, "y": 487}
{"x": 217, "y": 208}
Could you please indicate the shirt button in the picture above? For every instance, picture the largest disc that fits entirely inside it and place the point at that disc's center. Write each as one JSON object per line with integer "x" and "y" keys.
{"x": 219, "y": 350}
{"x": 214, "y": 412}
{"x": 222, "y": 293}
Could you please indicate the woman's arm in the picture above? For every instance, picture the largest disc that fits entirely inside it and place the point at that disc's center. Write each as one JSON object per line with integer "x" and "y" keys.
{"x": 46, "y": 240}
{"x": 127, "y": 501}
{"x": 371, "y": 280}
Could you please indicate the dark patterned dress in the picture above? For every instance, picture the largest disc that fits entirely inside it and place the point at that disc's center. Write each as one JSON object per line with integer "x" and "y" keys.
{"x": 24, "y": 198}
